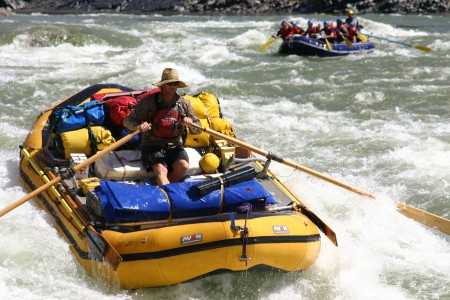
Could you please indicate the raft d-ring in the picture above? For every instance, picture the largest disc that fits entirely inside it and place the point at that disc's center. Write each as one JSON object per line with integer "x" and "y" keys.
{"x": 244, "y": 258}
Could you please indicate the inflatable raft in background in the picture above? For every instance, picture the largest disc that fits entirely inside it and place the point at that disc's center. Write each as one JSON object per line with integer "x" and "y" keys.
{"x": 123, "y": 228}
{"x": 302, "y": 45}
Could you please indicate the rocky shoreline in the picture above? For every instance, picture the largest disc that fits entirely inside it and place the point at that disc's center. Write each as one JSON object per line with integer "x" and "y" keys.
{"x": 230, "y": 7}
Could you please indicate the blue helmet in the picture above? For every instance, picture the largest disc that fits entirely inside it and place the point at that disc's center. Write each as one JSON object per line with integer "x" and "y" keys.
{"x": 339, "y": 21}
{"x": 326, "y": 23}
{"x": 310, "y": 22}
{"x": 283, "y": 23}
{"x": 293, "y": 23}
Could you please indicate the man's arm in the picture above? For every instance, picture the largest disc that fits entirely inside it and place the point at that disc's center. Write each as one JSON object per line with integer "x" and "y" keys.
{"x": 189, "y": 113}
{"x": 137, "y": 117}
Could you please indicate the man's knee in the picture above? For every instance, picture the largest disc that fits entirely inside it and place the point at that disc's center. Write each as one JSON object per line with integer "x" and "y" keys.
{"x": 181, "y": 165}
{"x": 159, "y": 169}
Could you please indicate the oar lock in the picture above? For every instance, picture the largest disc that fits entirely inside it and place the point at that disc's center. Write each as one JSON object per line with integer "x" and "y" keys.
{"x": 266, "y": 163}
{"x": 67, "y": 173}
{"x": 290, "y": 206}
{"x": 271, "y": 156}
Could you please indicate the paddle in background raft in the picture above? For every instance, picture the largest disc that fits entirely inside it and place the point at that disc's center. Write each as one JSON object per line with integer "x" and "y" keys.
{"x": 363, "y": 38}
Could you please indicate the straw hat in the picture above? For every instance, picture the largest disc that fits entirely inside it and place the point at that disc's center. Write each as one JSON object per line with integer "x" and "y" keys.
{"x": 170, "y": 75}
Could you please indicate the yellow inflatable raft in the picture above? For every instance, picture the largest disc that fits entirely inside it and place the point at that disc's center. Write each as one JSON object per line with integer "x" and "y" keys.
{"x": 174, "y": 234}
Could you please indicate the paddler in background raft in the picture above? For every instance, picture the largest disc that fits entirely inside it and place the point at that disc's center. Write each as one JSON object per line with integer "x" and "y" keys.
{"x": 313, "y": 30}
{"x": 284, "y": 30}
{"x": 341, "y": 31}
{"x": 329, "y": 32}
{"x": 352, "y": 19}
{"x": 159, "y": 117}
{"x": 296, "y": 29}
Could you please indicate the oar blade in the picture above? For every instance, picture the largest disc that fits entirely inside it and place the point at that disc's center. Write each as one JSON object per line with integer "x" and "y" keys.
{"x": 347, "y": 42}
{"x": 424, "y": 217}
{"x": 96, "y": 245}
{"x": 112, "y": 257}
{"x": 101, "y": 249}
{"x": 362, "y": 37}
{"x": 422, "y": 48}
{"x": 267, "y": 44}
{"x": 320, "y": 224}
{"x": 329, "y": 47}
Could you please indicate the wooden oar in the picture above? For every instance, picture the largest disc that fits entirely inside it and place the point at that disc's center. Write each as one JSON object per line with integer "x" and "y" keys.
{"x": 424, "y": 217}
{"x": 281, "y": 160}
{"x": 419, "y": 47}
{"x": 78, "y": 167}
{"x": 267, "y": 44}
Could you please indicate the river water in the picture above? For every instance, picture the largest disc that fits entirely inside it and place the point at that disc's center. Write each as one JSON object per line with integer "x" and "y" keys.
{"x": 379, "y": 122}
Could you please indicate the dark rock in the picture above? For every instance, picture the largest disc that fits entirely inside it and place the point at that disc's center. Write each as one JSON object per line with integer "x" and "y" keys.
{"x": 228, "y": 6}
{"x": 151, "y": 5}
{"x": 13, "y": 4}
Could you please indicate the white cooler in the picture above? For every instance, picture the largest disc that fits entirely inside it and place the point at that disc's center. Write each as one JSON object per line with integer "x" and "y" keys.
{"x": 127, "y": 165}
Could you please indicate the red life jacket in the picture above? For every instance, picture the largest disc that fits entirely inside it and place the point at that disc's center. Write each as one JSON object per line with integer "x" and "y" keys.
{"x": 166, "y": 123}
{"x": 296, "y": 30}
{"x": 312, "y": 31}
{"x": 284, "y": 32}
{"x": 351, "y": 34}
{"x": 330, "y": 31}
{"x": 342, "y": 30}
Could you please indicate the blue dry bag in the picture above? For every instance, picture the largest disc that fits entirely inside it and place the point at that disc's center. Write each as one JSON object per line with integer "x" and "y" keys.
{"x": 77, "y": 117}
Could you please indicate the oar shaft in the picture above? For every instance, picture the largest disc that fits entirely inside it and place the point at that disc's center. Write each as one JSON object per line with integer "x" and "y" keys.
{"x": 281, "y": 160}
{"x": 108, "y": 149}
{"x": 44, "y": 177}
{"x": 385, "y": 39}
{"x": 328, "y": 178}
{"x": 34, "y": 193}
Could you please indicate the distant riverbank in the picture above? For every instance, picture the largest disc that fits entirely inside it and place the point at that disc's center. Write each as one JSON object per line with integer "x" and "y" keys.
{"x": 228, "y": 7}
